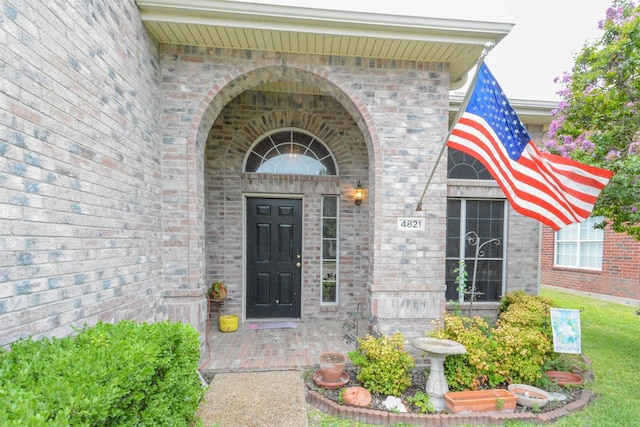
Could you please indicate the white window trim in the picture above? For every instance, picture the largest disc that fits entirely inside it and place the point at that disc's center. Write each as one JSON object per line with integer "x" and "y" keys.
{"x": 579, "y": 242}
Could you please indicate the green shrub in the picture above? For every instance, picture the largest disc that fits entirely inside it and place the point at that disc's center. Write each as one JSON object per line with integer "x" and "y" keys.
{"x": 385, "y": 366}
{"x": 528, "y": 311}
{"x": 513, "y": 351}
{"x": 518, "y": 354}
{"x": 468, "y": 370}
{"x": 127, "y": 374}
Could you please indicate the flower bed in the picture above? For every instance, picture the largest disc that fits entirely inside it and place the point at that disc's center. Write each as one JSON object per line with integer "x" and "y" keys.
{"x": 418, "y": 384}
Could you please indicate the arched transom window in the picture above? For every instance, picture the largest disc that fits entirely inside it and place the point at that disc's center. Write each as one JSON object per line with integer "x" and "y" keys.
{"x": 290, "y": 151}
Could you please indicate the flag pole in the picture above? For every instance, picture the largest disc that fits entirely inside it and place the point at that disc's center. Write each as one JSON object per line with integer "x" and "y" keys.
{"x": 463, "y": 106}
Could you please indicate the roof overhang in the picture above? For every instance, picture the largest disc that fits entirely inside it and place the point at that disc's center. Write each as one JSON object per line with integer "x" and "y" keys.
{"x": 530, "y": 112}
{"x": 279, "y": 28}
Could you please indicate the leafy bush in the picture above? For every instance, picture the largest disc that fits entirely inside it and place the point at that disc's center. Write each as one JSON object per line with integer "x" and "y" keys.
{"x": 124, "y": 374}
{"x": 513, "y": 351}
{"x": 521, "y": 309}
{"x": 524, "y": 337}
{"x": 385, "y": 366}
{"x": 468, "y": 370}
{"x": 518, "y": 354}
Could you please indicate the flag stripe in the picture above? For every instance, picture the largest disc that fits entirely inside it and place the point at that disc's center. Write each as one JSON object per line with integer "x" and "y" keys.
{"x": 591, "y": 180}
{"x": 562, "y": 191}
{"x": 524, "y": 184}
{"x": 574, "y": 192}
{"x": 552, "y": 189}
{"x": 522, "y": 181}
{"x": 523, "y": 200}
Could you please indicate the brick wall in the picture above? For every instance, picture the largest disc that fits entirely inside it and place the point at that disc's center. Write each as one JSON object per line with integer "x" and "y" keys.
{"x": 80, "y": 182}
{"x": 620, "y": 274}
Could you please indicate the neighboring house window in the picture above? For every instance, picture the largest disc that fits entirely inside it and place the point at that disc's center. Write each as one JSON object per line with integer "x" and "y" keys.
{"x": 580, "y": 245}
{"x": 485, "y": 218}
{"x": 330, "y": 259}
{"x": 291, "y": 152}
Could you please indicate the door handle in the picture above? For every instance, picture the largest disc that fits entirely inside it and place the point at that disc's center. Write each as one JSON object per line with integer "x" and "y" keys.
{"x": 298, "y": 264}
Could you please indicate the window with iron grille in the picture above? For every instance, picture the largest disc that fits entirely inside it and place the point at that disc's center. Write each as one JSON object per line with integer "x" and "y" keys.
{"x": 485, "y": 218}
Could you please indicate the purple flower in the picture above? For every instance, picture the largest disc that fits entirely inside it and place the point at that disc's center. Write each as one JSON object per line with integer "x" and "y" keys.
{"x": 588, "y": 145}
{"x": 613, "y": 155}
{"x": 555, "y": 125}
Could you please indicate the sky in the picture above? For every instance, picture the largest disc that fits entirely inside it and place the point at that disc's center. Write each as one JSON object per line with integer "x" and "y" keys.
{"x": 541, "y": 46}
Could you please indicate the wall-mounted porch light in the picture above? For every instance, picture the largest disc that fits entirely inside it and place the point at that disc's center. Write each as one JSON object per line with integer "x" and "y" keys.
{"x": 358, "y": 195}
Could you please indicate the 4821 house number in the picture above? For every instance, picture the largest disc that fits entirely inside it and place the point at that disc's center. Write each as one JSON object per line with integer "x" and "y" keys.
{"x": 410, "y": 224}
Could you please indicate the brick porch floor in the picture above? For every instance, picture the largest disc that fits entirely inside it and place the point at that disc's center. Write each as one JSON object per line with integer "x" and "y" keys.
{"x": 272, "y": 349}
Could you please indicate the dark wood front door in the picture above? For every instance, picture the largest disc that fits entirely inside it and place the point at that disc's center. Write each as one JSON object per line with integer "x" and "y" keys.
{"x": 274, "y": 258}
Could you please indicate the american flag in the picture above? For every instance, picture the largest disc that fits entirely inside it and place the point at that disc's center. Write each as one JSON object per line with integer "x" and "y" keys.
{"x": 552, "y": 189}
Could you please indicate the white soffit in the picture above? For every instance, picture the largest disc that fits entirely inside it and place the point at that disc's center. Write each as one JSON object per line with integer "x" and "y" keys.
{"x": 277, "y": 28}
{"x": 531, "y": 112}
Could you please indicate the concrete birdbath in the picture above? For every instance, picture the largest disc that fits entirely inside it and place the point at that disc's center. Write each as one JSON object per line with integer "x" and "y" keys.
{"x": 437, "y": 350}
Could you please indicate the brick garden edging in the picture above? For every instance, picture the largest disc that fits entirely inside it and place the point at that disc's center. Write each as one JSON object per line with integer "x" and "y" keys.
{"x": 378, "y": 417}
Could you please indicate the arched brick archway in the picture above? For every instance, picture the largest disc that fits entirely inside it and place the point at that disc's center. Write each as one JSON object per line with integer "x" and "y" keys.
{"x": 186, "y": 300}
{"x": 234, "y": 84}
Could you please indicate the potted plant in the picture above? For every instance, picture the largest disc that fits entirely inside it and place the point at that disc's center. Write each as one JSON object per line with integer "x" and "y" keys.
{"x": 332, "y": 366}
{"x": 217, "y": 291}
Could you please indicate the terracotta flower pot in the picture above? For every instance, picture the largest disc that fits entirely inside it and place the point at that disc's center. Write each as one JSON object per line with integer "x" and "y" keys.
{"x": 317, "y": 378}
{"x": 469, "y": 401}
{"x": 219, "y": 294}
{"x": 565, "y": 378}
{"x": 332, "y": 366}
{"x": 358, "y": 396}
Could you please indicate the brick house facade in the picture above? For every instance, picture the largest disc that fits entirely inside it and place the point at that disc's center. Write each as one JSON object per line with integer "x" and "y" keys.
{"x": 124, "y": 189}
{"x": 619, "y": 277}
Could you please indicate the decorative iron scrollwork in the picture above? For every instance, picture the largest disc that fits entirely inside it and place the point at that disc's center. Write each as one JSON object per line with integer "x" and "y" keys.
{"x": 351, "y": 325}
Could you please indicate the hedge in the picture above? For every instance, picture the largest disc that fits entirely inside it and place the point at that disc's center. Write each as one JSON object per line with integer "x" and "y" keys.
{"x": 124, "y": 374}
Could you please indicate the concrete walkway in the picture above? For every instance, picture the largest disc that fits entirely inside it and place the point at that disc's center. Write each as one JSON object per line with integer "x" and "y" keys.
{"x": 255, "y": 399}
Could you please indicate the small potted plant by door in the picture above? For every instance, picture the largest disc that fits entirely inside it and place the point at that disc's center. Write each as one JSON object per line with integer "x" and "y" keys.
{"x": 217, "y": 291}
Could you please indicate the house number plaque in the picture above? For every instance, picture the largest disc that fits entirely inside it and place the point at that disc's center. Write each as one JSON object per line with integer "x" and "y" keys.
{"x": 410, "y": 224}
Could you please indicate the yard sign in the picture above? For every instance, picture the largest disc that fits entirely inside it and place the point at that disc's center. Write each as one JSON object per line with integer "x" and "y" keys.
{"x": 566, "y": 330}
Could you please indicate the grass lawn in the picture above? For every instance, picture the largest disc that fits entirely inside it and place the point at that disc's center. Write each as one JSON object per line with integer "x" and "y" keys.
{"x": 611, "y": 340}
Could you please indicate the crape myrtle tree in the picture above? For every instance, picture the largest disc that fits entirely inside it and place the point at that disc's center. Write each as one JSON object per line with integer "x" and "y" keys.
{"x": 597, "y": 121}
